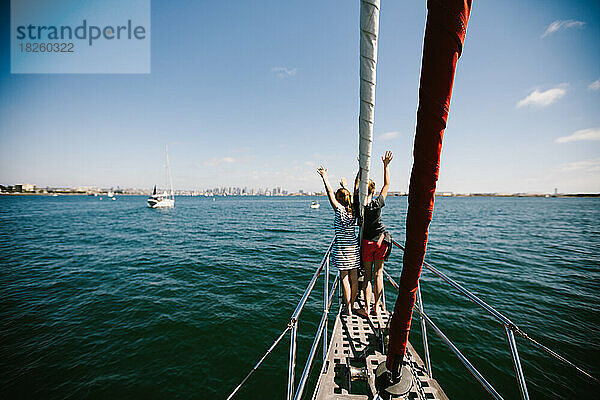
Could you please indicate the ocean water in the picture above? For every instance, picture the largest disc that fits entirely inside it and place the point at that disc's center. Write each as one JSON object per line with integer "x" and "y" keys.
{"x": 110, "y": 299}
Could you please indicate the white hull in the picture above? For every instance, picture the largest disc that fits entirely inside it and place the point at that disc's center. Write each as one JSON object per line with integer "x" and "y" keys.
{"x": 161, "y": 203}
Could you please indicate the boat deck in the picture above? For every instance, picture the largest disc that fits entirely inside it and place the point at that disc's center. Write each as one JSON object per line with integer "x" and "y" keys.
{"x": 356, "y": 349}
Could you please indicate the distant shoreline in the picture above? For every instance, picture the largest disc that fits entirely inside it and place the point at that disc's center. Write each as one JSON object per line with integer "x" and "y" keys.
{"x": 563, "y": 195}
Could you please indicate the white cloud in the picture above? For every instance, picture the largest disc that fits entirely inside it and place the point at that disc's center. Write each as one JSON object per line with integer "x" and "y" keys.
{"x": 545, "y": 98}
{"x": 559, "y": 25}
{"x": 283, "y": 72}
{"x": 389, "y": 135}
{"x": 213, "y": 162}
{"x": 583, "y": 134}
{"x": 591, "y": 165}
{"x": 595, "y": 85}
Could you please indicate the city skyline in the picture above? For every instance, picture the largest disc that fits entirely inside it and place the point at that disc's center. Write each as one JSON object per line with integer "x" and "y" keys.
{"x": 261, "y": 96}
{"x": 28, "y": 188}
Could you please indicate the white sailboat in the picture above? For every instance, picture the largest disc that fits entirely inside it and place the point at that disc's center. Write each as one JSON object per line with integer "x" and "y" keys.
{"x": 164, "y": 199}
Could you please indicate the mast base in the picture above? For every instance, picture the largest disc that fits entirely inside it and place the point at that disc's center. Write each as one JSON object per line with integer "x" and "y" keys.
{"x": 398, "y": 389}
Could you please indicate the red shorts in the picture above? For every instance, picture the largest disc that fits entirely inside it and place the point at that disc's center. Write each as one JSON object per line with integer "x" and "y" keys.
{"x": 373, "y": 251}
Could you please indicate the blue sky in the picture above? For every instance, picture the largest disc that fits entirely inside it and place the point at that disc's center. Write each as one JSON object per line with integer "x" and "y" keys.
{"x": 259, "y": 93}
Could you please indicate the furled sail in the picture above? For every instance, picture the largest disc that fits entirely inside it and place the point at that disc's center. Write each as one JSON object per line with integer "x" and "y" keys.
{"x": 444, "y": 37}
{"x": 369, "y": 30}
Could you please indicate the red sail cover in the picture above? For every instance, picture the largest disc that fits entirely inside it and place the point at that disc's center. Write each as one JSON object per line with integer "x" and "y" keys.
{"x": 444, "y": 37}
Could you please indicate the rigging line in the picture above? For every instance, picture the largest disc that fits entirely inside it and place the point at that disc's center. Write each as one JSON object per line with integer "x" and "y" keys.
{"x": 261, "y": 360}
{"x": 516, "y": 329}
{"x": 524, "y": 335}
{"x": 169, "y": 176}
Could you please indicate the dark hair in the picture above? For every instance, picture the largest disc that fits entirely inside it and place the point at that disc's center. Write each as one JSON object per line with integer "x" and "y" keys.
{"x": 342, "y": 195}
{"x": 371, "y": 187}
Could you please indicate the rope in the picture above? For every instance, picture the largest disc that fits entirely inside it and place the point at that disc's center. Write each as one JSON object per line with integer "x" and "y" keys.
{"x": 524, "y": 335}
{"x": 260, "y": 362}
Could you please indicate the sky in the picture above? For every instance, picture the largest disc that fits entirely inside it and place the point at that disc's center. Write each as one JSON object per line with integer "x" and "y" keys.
{"x": 260, "y": 93}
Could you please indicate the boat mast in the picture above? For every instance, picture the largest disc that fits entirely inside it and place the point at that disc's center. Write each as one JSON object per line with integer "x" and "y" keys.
{"x": 168, "y": 176}
{"x": 369, "y": 30}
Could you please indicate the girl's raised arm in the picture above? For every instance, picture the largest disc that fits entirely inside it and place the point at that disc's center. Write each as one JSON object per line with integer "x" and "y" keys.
{"x": 323, "y": 172}
{"x": 387, "y": 159}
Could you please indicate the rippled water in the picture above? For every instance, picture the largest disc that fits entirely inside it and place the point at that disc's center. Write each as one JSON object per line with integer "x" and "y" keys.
{"x": 112, "y": 299}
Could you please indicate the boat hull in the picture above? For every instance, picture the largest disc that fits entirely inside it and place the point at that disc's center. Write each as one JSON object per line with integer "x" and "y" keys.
{"x": 161, "y": 203}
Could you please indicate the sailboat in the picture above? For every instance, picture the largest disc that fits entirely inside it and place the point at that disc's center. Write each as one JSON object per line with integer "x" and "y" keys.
{"x": 164, "y": 199}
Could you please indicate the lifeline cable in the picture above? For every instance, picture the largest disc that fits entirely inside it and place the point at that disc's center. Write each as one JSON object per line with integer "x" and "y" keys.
{"x": 260, "y": 362}
{"x": 500, "y": 318}
{"x": 524, "y": 335}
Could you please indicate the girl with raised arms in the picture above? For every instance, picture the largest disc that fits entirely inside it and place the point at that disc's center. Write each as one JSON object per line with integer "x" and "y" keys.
{"x": 376, "y": 240}
{"x": 345, "y": 252}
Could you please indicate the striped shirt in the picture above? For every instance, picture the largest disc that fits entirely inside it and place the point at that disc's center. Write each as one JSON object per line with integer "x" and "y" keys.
{"x": 345, "y": 252}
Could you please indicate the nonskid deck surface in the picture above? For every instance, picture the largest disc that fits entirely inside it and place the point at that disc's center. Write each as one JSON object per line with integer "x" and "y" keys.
{"x": 358, "y": 342}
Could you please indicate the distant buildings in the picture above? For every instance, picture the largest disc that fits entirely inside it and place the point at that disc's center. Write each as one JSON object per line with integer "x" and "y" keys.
{"x": 28, "y": 188}
{"x": 235, "y": 191}
{"x": 20, "y": 188}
